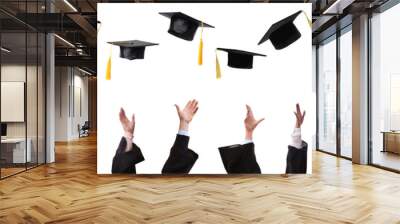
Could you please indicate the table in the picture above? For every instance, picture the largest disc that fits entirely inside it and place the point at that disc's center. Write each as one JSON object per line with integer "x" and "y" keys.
{"x": 13, "y": 150}
{"x": 391, "y": 141}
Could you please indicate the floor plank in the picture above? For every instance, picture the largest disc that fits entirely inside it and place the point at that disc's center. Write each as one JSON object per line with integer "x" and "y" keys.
{"x": 70, "y": 191}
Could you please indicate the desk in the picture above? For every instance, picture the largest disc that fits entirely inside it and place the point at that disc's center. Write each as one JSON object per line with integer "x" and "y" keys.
{"x": 13, "y": 150}
{"x": 391, "y": 141}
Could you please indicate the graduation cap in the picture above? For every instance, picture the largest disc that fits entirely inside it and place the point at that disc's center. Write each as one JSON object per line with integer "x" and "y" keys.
{"x": 236, "y": 59}
{"x": 183, "y": 26}
{"x": 239, "y": 58}
{"x": 132, "y": 49}
{"x": 283, "y": 33}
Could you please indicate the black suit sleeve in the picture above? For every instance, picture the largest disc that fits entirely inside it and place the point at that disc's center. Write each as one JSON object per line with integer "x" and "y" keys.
{"x": 181, "y": 159}
{"x": 239, "y": 159}
{"x": 296, "y": 160}
{"x": 124, "y": 162}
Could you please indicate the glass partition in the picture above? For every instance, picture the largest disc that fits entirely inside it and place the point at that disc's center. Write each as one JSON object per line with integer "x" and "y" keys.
{"x": 13, "y": 105}
{"x": 41, "y": 91}
{"x": 346, "y": 93}
{"x": 327, "y": 96}
{"x": 31, "y": 100}
{"x": 22, "y": 67}
{"x": 385, "y": 89}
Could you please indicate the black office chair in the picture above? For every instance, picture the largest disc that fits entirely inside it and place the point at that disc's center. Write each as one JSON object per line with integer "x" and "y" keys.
{"x": 84, "y": 130}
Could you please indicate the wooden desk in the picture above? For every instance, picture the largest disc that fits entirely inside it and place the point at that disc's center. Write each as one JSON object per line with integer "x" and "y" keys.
{"x": 391, "y": 141}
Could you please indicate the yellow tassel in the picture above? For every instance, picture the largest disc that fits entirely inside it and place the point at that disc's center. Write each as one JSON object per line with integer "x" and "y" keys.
{"x": 217, "y": 66}
{"x": 200, "y": 55}
{"x": 308, "y": 19}
{"x": 108, "y": 69}
{"x": 200, "y": 58}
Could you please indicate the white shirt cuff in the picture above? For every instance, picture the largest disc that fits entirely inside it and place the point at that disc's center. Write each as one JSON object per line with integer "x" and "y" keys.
{"x": 296, "y": 139}
{"x": 183, "y": 132}
{"x": 247, "y": 141}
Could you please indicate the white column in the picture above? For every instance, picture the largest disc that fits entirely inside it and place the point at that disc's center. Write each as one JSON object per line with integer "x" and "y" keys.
{"x": 50, "y": 99}
{"x": 50, "y": 92}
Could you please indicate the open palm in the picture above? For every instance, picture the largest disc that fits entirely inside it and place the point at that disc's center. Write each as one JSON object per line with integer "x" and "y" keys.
{"x": 299, "y": 116}
{"x": 188, "y": 112}
{"x": 250, "y": 122}
{"x": 127, "y": 125}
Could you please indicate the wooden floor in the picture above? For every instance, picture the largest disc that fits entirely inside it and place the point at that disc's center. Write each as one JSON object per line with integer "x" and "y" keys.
{"x": 387, "y": 159}
{"x": 5, "y": 172}
{"x": 70, "y": 191}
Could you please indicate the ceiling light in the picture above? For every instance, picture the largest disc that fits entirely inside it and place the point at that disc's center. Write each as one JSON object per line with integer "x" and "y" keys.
{"x": 84, "y": 71}
{"x": 5, "y": 50}
{"x": 64, "y": 40}
{"x": 70, "y": 5}
{"x": 338, "y": 6}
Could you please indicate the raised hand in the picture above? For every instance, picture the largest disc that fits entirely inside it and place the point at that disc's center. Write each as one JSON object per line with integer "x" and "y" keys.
{"x": 250, "y": 123}
{"x": 127, "y": 125}
{"x": 299, "y": 116}
{"x": 187, "y": 113}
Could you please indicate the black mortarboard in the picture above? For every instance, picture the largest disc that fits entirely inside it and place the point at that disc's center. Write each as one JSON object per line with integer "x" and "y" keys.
{"x": 132, "y": 49}
{"x": 182, "y": 25}
{"x": 283, "y": 33}
{"x": 240, "y": 59}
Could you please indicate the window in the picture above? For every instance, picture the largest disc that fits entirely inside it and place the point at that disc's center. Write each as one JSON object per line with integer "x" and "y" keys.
{"x": 346, "y": 93}
{"x": 327, "y": 96}
{"x": 385, "y": 89}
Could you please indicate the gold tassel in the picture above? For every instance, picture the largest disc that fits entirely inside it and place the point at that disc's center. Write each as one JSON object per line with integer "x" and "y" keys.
{"x": 108, "y": 69}
{"x": 308, "y": 19}
{"x": 200, "y": 55}
{"x": 200, "y": 59}
{"x": 217, "y": 66}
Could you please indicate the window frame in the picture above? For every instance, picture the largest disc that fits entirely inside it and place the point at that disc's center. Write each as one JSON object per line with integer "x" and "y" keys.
{"x": 334, "y": 37}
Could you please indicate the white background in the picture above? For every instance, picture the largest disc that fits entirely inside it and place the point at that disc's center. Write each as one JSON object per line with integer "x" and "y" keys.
{"x": 169, "y": 74}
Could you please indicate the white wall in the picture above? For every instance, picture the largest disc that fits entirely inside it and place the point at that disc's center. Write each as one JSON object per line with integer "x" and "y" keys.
{"x": 70, "y": 83}
{"x": 80, "y": 84}
{"x": 61, "y": 103}
{"x": 16, "y": 73}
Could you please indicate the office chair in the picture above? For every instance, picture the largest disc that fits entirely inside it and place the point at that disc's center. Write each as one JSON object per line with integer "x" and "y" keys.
{"x": 84, "y": 130}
